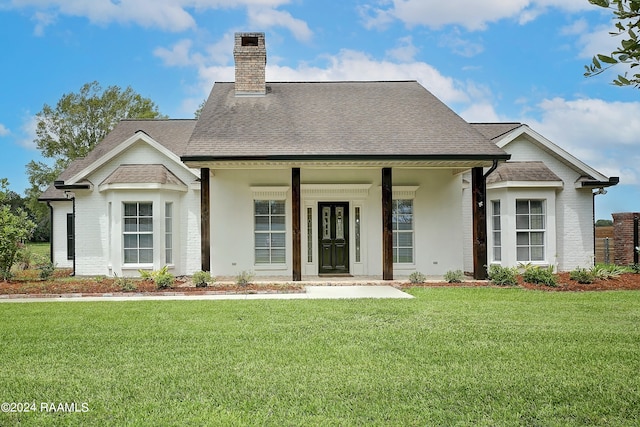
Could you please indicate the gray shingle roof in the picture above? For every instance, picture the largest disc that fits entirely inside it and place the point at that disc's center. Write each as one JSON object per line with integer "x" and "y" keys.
{"x": 137, "y": 174}
{"x": 495, "y": 130}
{"x": 522, "y": 171}
{"x": 350, "y": 119}
{"x": 172, "y": 134}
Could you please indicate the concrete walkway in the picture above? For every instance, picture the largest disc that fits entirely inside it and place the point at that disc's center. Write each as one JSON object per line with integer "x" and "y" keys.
{"x": 311, "y": 292}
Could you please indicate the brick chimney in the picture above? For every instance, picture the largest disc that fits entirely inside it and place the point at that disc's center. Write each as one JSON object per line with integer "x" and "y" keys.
{"x": 250, "y": 56}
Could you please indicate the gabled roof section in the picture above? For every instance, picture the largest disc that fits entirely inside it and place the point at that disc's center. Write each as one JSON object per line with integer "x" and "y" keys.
{"x": 504, "y": 133}
{"x": 168, "y": 136}
{"x": 145, "y": 176}
{"x": 333, "y": 120}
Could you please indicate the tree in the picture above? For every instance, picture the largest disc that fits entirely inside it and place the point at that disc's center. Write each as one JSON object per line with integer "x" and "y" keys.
{"x": 15, "y": 229}
{"x": 77, "y": 123}
{"x": 627, "y": 13}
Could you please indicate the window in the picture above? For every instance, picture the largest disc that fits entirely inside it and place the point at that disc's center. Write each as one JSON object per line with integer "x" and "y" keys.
{"x": 269, "y": 231}
{"x": 358, "y": 251}
{"x": 402, "y": 218}
{"x": 70, "y": 237}
{"x": 497, "y": 230}
{"x": 530, "y": 229}
{"x": 309, "y": 235}
{"x": 168, "y": 233}
{"x": 138, "y": 233}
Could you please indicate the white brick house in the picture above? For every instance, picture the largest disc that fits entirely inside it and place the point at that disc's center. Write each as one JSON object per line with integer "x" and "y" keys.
{"x": 321, "y": 178}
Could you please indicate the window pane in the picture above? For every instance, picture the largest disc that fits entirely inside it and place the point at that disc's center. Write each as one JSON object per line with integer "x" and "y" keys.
{"x": 277, "y": 223}
{"x": 496, "y": 223}
{"x": 496, "y": 207}
{"x": 262, "y": 223}
{"x": 405, "y": 222}
{"x": 130, "y": 209}
{"x": 262, "y": 256}
{"x": 146, "y": 224}
{"x": 168, "y": 210}
{"x": 497, "y": 254}
{"x": 277, "y": 207}
{"x": 405, "y": 240}
{"x": 405, "y": 255}
{"x": 537, "y": 253}
{"x": 395, "y": 254}
{"x": 536, "y": 206}
{"x": 146, "y": 209}
{"x": 130, "y": 256}
{"x": 522, "y": 222}
{"x": 262, "y": 240}
{"x": 537, "y": 238}
{"x": 278, "y": 256}
{"x": 537, "y": 222}
{"x": 168, "y": 241}
{"x": 261, "y": 207}
{"x": 522, "y": 254}
{"x": 522, "y": 239}
{"x": 522, "y": 206}
{"x": 277, "y": 240}
{"x": 130, "y": 224}
{"x": 146, "y": 255}
{"x": 146, "y": 240}
{"x": 497, "y": 238}
{"x": 404, "y": 206}
{"x": 168, "y": 256}
{"x": 130, "y": 241}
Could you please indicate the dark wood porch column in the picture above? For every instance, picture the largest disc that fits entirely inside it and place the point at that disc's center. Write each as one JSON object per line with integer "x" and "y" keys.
{"x": 295, "y": 223}
{"x": 205, "y": 220}
{"x": 387, "y": 226}
{"x": 478, "y": 196}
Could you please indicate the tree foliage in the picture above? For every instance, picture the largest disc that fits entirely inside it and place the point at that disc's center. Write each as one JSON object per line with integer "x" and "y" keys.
{"x": 73, "y": 127}
{"x": 627, "y": 14}
{"x": 15, "y": 229}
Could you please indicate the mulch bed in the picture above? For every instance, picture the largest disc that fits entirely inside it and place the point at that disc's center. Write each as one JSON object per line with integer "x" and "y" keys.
{"x": 28, "y": 284}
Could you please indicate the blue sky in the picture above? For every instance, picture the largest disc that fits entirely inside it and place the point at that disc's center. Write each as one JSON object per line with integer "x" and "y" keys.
{"x": 494, "y": 60}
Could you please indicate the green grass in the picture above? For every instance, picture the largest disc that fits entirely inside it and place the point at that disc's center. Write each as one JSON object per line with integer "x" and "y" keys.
{"x": 40, "y": 249}
{"x": 452, "y": 356}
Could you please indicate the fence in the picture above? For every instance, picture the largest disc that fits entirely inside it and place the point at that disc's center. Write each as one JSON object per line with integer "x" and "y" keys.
{"x": 605, "y": 245}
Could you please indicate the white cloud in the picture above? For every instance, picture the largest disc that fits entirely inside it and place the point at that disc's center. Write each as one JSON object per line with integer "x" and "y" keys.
{"x": 357, "y": 66}
{"x": 460, "y": 46}
{"x": 28, "y": 128}
{"x": 471, "y": 15}
{"x": 168, "y": 15}
{"x": 3, "y": 130}
{"x": 405, "y": 52}
{"x": 262, "y": 17}
{"x": 600, "y": 133}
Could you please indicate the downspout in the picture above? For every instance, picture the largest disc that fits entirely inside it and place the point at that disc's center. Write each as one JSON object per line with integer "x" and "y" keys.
{"x": 50, "y": 232}
{"x": 491, "y": 169}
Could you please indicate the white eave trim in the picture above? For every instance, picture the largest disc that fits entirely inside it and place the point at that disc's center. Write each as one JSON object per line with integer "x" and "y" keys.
{"x": 525, "y": 184}
{"x": 142, "y": 186}
{"x": 347, "y": 191}
{"x": 120, "y": 148}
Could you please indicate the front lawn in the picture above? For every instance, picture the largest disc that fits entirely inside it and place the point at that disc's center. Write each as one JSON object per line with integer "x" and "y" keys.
{"x": 465, "y": 356}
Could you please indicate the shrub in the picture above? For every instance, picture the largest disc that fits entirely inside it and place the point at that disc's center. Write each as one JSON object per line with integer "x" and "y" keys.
{"x": 201, "y": 279}
{"x": 454, "y": 276}
{"x": 417, "y": 277}
{"x": 244, "y": 278}
{"x": 607, "y": 271}
{"x": 634, "y": 268}
{"x": 503, "y": 276}
{"x": 126, "y": 284}
{"x": 582, "y": 275}
{"x": 46, "y": 270}
{"x": 162, "y": 278}
{"x": 540, "y": 275}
